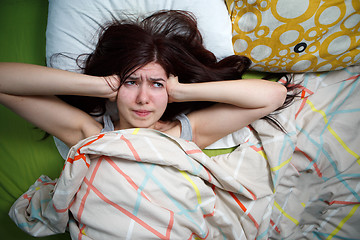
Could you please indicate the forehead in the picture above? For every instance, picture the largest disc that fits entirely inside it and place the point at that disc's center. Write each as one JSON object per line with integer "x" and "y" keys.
{"x": 152, "y": 69}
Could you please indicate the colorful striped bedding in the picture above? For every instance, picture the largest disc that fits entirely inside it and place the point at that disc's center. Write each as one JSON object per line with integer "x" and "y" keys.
{"x": 142, "y": 184}
{"x": 318, "y": 191}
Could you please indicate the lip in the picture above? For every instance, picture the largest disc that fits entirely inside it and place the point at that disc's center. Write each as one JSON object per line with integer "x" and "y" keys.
{"x": 142, "y": 113}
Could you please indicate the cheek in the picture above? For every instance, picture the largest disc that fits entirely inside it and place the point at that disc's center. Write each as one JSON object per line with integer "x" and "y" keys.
{"x": 124, "y": 96}
{"x": 161, "y": 99}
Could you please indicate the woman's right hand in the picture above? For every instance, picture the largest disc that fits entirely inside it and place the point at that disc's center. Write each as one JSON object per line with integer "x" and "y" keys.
{"x": 113, "y": 82}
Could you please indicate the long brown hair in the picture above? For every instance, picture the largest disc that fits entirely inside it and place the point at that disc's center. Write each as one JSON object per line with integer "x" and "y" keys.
{"x": 169, "y": 38}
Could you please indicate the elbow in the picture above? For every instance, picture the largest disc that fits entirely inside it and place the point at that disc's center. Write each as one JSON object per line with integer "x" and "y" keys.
{"x": 279, "y": 97}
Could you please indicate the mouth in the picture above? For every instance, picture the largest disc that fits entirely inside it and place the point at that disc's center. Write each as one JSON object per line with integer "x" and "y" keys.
{"x": 142, "y": 113}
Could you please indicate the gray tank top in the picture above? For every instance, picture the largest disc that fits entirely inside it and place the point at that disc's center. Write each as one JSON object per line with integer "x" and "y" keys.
{"x": 186, "y": 132}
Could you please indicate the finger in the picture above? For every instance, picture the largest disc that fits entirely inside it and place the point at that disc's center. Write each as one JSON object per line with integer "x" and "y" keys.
{"x": 113, "y": 98}
{"x": 113, "y": 82}
{"x": 173, "y": 76}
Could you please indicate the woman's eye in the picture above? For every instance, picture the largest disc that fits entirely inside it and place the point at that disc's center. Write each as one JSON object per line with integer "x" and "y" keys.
{"x": 158, "y": 85}
{"x": 130, "y": 83}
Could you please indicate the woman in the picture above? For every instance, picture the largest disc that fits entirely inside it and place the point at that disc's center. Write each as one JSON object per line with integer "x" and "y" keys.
{"x": 155, "y": 70}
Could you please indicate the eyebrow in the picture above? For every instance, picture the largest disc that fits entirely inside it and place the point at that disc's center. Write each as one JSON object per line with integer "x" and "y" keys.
{"x": 151, "y": 79}
{"x": 156, "y": 79}
{"x": 133, "y": 77}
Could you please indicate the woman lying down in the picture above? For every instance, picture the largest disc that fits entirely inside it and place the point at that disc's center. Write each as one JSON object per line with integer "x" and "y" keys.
{"x": 141, "y": 175}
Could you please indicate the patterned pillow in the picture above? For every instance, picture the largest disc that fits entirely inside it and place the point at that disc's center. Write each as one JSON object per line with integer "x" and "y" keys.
{"x": 296, "y": 35}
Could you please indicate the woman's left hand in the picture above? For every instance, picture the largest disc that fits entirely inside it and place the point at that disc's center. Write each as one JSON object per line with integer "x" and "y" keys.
{"x": 172, "y": 87}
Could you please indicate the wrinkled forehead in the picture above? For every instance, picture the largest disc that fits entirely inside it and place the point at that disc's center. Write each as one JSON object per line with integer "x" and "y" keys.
{"x": 150, "y": 70}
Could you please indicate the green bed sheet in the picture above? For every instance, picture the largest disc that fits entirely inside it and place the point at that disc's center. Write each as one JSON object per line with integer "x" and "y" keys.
{"x": 24, "y": 155}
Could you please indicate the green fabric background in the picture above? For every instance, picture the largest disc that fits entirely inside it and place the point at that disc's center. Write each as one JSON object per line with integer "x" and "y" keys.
{"x": 23, "y": 155}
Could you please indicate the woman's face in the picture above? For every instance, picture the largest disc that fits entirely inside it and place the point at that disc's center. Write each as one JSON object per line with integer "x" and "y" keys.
{"x": 142, "y": 99}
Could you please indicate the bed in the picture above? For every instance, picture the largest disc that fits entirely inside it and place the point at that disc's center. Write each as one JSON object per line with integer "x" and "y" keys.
{"x": 300, "y": 185}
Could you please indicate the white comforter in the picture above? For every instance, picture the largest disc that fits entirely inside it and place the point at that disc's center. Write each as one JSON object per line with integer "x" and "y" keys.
{"x": 142, "y": 184}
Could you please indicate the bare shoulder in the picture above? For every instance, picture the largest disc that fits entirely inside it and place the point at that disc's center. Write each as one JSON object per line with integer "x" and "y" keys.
{"x": 87, "y": 127}
{"x": 92, "y": 128}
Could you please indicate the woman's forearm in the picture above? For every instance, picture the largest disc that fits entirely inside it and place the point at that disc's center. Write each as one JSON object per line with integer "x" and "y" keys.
{"x": 245, "y": 93}
{"x": 28, "y": 79}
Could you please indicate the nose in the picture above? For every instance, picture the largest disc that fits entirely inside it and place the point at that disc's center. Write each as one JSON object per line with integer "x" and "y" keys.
{"x": 142, "y": 95}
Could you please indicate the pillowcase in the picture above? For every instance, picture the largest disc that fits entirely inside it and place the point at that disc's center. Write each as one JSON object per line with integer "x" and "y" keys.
{"x": 296, "y": 35}
{"x": 73, "y": 24}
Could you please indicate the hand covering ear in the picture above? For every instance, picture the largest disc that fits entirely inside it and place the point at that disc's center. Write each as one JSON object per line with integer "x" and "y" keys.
{"x": 114, "y": 84}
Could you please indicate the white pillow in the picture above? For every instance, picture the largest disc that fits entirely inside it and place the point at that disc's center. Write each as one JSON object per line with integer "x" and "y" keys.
{"x": 73, "y": 24}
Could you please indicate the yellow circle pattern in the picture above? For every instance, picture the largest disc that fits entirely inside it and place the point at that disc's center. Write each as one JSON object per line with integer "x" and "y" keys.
{"x": 296, "y": 35}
